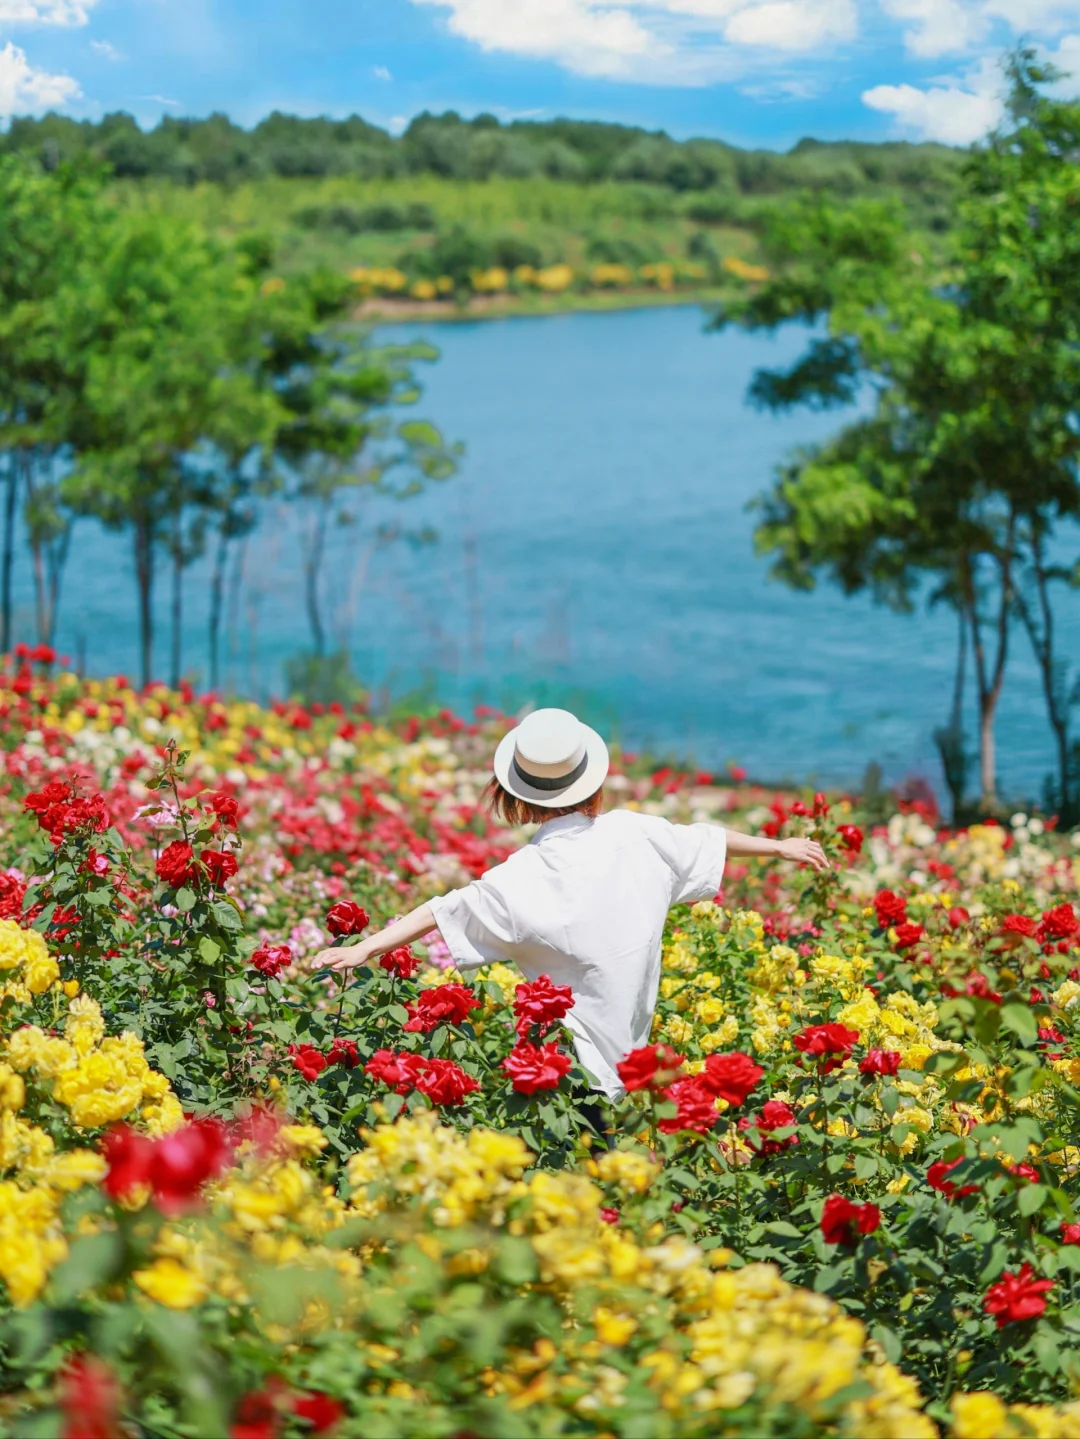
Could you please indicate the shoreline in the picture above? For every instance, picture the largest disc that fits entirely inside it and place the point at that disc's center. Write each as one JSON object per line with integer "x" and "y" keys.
{"x": 385, "y": 309}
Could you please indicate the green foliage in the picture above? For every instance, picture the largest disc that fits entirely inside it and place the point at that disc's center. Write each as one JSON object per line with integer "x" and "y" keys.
{"x": 953, "y": 486}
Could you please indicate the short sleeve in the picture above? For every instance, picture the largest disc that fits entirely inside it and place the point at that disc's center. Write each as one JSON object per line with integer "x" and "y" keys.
{"x": 475, "y": 922}
{"x": 699, "y": 854}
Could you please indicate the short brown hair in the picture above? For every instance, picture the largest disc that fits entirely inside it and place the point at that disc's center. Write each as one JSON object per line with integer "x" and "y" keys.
{"x": 514, "y": 811}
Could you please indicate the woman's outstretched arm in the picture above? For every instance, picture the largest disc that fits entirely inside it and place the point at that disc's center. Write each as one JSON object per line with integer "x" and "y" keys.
{"x": 755, "y": 846}
{"x": 417, "y": 922}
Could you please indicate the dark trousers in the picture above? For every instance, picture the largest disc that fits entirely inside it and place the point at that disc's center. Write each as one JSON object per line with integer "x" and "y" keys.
{"x": 595, "y": 1116}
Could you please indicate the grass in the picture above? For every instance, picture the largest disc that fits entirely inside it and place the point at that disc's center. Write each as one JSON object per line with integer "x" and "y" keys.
{"x": 565, "y": 221}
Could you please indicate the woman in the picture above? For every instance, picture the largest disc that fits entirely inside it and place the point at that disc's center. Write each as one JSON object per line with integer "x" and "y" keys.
{"x": 586, "y": 899}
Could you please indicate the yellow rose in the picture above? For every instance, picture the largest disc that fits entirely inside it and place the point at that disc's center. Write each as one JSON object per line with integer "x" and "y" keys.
{"x": 171, "y": 1283}
{"x": 612, "y": 1328}
{"x": 979, "y": 1416}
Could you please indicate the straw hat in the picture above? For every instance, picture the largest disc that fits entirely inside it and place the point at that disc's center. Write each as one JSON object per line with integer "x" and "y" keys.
{"x": 551, "y": 759}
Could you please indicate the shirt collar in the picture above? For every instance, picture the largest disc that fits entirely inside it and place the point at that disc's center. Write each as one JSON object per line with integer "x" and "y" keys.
{"x": 561, "y": 824}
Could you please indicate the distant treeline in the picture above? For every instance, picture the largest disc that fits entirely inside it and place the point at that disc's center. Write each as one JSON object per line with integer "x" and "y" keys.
{"x": 216, "y": 150}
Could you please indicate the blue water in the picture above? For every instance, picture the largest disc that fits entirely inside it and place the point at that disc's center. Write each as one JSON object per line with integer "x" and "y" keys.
{"x": 594, "y": 549}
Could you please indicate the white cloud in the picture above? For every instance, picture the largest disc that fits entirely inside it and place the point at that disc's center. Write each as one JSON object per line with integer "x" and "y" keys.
{"x": 1025, "y": 15}
{"x": 24, "y": 90}
{"x": 45, "y": 12}
{"x": 381, "y": 72}
{"x": 694, "y": 42}
{"x": 1067, "y": 59}
{"x": 105, "y": 50}
{"x": 575, "y": 33}
{"x": 161, "y": 100}
{"x": 940, "y": 26}
{"x": 956, "y": 112}
{"x": 793, "y": 24}
{"x": 662, "y": 41}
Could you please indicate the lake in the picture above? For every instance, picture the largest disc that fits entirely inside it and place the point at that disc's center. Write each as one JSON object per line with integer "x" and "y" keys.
{"x": 595, "y": 549}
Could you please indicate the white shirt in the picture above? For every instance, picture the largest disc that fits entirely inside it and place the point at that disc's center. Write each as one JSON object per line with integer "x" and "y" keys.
{"x": 585, "y": 902}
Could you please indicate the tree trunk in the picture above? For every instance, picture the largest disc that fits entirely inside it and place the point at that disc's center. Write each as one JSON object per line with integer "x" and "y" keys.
{"x": 950, "y": 738}
{"x": 144, "y": 578}
{"x": 8, "y": 560}
{"x": 313, "y": 558}
{"x": 1040, "y": 632}
{"x": 989, "y": 675}
{"x": 61, "y": 548}
{"x": 217, "y": 597}
{"x": 40, "y": 589}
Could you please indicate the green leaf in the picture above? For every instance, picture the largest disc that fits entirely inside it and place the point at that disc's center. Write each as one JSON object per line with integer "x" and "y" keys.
{"x": 209, "y": 949}
{"x": 186, "y": 899}
{"x": 784, "y": 1229}
{"x": 1019, "y": 1018}
{"x": 92, "y": 1260}
{"x": 1031, "y": 1198}
{"x": 515, "y": 1261}
{"x": 890, "y": 1101}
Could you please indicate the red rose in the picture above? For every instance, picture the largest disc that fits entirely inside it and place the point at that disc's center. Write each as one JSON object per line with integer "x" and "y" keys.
{"x": 774, "y": 1115}
{"x": 842, "y": 1221}
{"x": 731, "y": 1076}
{"x": 958, "y": 916}
{"x": 224, "y": 806}
{"x": 654, "y": 1066}
{"x": 89, "y": 1397}
{"x": 851, "y": 837}
{"x": 908, "y": 934}
{"x": 1016, "y": 1297}
{"x": 344, "y": 1052}
{"x": 401, "y": 962}
{"x": 828, "y": 1042}
{"x": 979, "y": 986}
{"x": 444, "y": 1004}
{"x": 319, "y": 1410}
{"x": 257, "y": 1413}
{"x": 346, "y": 917}
{"x": 398, "y": 1072}
{"x": 541, "y": 1003}
{"x": 129, "y": 1156}
{"x": 308, "y": 1060}
{"x": 95, "y": 863}
{"x": 696, "y": 1106}
{"x": 937, "y": 1178}
{"x": 220, "y": 865}
{"x": 536, "y": 1066}
{"x": 176, "y": 864}
{"x": 1070, "y": 1234}
{"x": 880, "y": 1061}
{"x": 1059, "y": 923}
{"x": 611, "y": 1216}
{"x": 271, "y": 959}
{"x": 174, "y": 1168}
{"x": 182, "y": 1162}
{"x": 1020, "y": 926}
{"x": 890, "y": 908}
{"x": 12, "y": 894}
{"x": 445, "y": 1083}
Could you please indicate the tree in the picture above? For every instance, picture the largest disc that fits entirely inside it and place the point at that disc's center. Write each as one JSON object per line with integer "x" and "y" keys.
{"x": 170, "y": 323}
{"x": 338, "y": 392}
{"x": 52, "y": 224}
{"x": 969, "y": 458}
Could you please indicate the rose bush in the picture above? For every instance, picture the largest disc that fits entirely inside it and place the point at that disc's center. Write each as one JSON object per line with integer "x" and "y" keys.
{"x": 238, "y": 1197}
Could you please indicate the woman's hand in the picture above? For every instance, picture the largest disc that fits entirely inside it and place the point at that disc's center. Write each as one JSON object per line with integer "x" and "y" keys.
{"x": 342, "y": 959}
{"x": 803, "y": 851}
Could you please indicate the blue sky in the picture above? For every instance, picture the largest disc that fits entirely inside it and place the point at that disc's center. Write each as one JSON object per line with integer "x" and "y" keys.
{"x": 754, "y": 72}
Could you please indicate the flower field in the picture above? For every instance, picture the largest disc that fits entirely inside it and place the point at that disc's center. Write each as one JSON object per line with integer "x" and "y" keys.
{"x": 238, "y": 1199}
